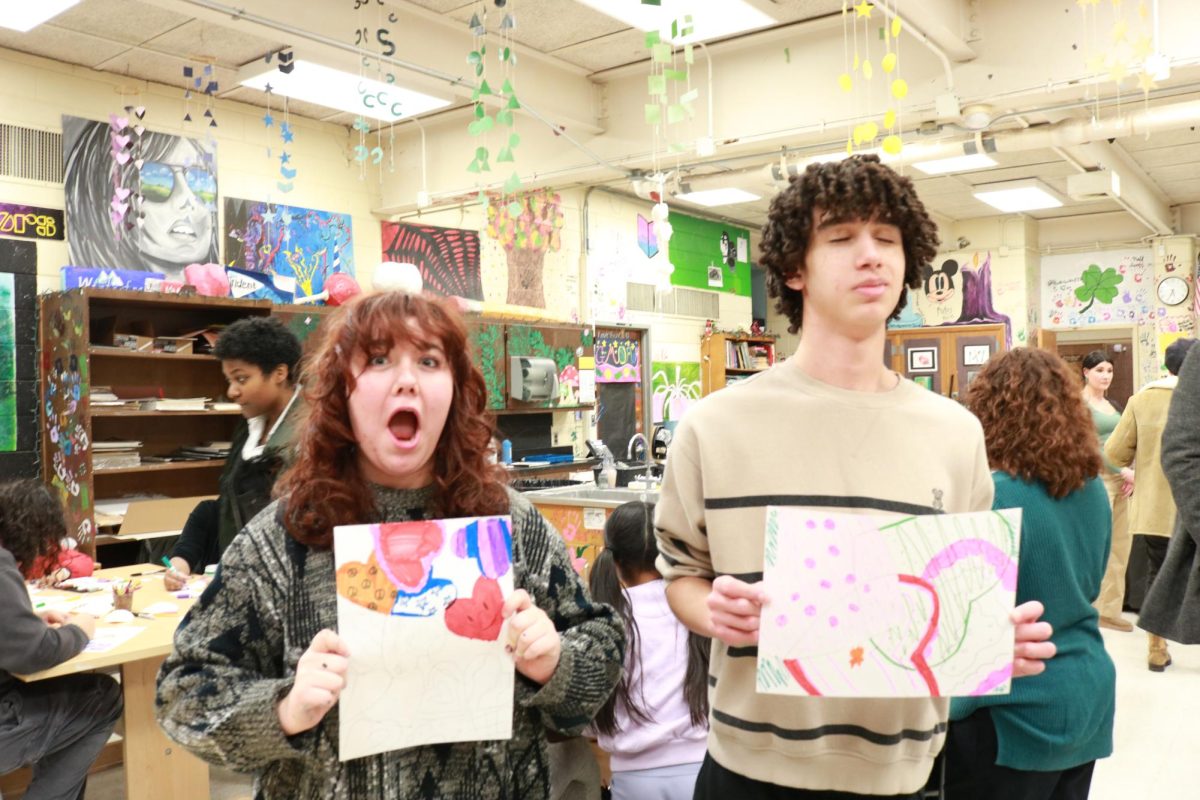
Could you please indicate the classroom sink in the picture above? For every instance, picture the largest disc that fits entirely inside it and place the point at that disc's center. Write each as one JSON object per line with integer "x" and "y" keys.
{"x": 591, "y": 495}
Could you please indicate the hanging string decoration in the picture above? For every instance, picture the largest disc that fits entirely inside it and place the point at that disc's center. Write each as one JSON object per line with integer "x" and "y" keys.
{"x": 672, "y": 100}
{"x": 378, "y": 39}
{"x": 1119, "y": 45}
{"x": 868, "y": 129}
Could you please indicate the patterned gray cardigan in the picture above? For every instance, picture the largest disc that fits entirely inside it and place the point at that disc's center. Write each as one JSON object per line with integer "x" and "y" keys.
{"x": 236, "y": 651}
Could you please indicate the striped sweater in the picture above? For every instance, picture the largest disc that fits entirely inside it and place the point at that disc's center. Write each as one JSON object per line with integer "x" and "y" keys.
{"x": 236, "y": 652}
{"x": 783, "y": 438}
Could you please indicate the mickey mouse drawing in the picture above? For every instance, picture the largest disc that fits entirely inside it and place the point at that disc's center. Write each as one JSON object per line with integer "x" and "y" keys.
{"x": 939, "y": 283}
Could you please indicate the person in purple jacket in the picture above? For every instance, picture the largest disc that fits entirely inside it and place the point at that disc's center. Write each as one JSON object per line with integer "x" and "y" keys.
{"x": 60, "y": 724}
{"x": 655, "y": 725}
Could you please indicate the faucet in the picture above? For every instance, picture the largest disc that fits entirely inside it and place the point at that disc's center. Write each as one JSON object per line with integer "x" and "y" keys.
{"x": 645, "y": 447}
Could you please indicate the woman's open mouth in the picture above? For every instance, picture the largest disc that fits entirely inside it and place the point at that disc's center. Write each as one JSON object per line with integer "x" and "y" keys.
{"x": 182, "y": 230}
{"x": 405, "y": 427}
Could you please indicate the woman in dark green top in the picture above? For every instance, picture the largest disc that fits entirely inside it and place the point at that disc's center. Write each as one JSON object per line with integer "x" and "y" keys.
{"x": 1041, "y": 741}
{"x": 1118, "y": 482}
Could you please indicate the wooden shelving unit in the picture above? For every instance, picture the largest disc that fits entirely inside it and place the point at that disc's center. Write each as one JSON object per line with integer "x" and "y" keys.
{"x": 75, "y": 356}
{"x": 725, "y": 354}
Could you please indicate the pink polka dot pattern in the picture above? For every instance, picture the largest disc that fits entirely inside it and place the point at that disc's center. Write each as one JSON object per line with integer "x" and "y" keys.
{"x": 781, "y": 620}
{"x": 833, "y": 622}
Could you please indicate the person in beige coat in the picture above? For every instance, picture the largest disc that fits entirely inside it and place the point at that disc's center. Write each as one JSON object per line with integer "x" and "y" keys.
{"x": 1137, "y": 442}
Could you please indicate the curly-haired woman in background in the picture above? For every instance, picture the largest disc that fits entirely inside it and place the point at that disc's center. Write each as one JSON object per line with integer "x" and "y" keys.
{"x": 1041, "y": 741}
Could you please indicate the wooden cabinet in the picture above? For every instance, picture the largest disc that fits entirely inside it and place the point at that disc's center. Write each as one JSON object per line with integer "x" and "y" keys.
{"x": 944, "y": 359}
{"x": 75, "y": 357}
{"x": 726, "y": 358}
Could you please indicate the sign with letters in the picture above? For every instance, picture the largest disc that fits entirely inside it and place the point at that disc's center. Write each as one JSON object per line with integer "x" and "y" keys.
{"x": 30, "y": 222}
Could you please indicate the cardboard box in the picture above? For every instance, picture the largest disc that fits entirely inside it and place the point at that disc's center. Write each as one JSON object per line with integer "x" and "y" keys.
{"x": 131, "y": 341}
{"x": 172, "y": 344}
{"x": 146, "y": 519}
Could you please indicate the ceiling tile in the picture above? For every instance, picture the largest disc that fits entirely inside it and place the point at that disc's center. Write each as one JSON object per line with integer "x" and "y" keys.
{"x": 119, "y": 20}
{"x": 61, "y": 45}
{"x": 624, "y": 47}
{"x": 163, "y": 68}
{"x": 443, "y": 6}
{"x": 559, "y": 23}
{"x": 227, "y": 46}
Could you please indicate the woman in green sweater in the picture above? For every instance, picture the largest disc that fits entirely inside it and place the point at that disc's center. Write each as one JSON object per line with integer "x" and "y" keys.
{"x": 1041, "y": 741}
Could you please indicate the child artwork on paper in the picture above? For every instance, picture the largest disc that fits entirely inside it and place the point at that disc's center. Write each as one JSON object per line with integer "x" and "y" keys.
{"x": 875, "y": 606}
{"x": 419, "y": 608}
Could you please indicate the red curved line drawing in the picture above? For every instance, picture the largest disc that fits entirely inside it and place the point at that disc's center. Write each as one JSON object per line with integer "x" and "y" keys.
{"x": 918, "y": 656}
{"x": 793, "y": 666}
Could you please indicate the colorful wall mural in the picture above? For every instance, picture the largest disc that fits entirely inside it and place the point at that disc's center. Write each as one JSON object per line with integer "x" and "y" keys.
{"x": 138, "y": 199}
{"x": 618, "y": 358}
{"x": 18, "y": 359}
{"x": 674, "y": 386}
{"x": 709, "y": 255}
{"x": 527, "y": 228}
{"x": 448, "y": 258}
{"x": 1113, "y": 287}
{"x": 958, "y": 290}
{"x": 8, "y": 363}
{"x": 295, "y": 246}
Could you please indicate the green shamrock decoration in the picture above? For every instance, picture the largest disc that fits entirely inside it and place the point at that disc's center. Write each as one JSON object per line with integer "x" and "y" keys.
{"x": 1098, "y": 285}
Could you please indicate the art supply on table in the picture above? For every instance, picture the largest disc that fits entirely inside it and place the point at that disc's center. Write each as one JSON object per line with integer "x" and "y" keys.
{"x": 88, "y": 584}
{"x": 123, "y": 594}
{"x": 107, "y": 638}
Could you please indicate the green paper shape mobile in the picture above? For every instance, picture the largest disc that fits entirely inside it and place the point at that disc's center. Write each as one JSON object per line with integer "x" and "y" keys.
{"x": 485, "y": 124}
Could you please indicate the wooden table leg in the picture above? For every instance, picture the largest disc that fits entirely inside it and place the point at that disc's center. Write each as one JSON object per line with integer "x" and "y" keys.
{"x": 155, "y": 767}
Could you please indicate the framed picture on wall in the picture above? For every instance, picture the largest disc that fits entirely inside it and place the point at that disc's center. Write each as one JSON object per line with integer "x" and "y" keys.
{"x": 971, "y": 373}
{"x": 924, "y": 380}
{"x": 922, "y": 359}
{"x": 976, "y": 354}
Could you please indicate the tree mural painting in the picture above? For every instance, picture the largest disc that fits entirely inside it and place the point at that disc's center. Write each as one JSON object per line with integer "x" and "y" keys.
{"x": 1098, "y": 285}
{"x": 527, "y": 228}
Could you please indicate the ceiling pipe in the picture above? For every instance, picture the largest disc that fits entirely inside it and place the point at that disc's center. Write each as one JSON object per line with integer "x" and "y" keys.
{"x": 1068, "y": 133}
{"x": 917, "y": 34}
{"x": 1138, "y": 195}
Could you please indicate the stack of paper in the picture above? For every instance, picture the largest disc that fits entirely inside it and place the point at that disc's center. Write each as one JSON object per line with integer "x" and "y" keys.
{"x": 116, "y": 454}
{"x": 175, "y": 404}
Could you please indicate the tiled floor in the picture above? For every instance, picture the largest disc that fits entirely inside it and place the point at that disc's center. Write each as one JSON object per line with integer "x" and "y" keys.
{"x": 1156, "y": 749}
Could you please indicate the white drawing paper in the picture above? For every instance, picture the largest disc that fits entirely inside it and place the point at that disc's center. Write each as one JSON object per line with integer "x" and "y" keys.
{"x": 419, "y": 609}
{"x": 879, "y": 606}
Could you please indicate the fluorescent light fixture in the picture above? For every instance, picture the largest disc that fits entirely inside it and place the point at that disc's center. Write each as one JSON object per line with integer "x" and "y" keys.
{"x": 332, "y": 88}
{"x": 25, "y": 16}
{"x": 718, "y": 197}
{"x": 711, "y": 19}
{"x": 1013, "y": 196}
{"x": 940, "y": 166}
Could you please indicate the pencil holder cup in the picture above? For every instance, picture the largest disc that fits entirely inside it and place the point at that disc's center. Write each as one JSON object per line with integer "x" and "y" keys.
{"x": 123, "y": 601}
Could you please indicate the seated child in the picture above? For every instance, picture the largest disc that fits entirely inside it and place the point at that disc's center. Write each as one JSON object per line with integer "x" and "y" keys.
{"x": 68, "y": 563}
{"x": 57, "y": 725}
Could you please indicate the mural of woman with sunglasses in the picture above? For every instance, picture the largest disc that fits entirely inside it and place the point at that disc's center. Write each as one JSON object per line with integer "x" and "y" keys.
{"x": 177, "y": 182}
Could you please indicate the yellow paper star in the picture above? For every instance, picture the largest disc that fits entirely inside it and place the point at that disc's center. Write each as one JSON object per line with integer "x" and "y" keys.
{"x": 864, "y": 9}
{"x": 1146, "y": 82}
{"x": 1117, "y": 71}
{"x": 1143, "y": 11}
{"x": 1119, "y": 30}
{"x": 1142, "y": 47}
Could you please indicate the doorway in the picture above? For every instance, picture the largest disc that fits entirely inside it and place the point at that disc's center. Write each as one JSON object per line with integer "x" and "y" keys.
{"x": 1117, "y": 342}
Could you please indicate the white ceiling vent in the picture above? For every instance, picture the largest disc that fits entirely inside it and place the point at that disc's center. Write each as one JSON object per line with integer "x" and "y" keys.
{"x": 31, "y": 154}
{"x": 1096, "y": 185}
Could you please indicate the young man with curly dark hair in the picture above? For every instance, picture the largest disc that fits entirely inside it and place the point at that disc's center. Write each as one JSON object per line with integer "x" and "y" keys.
{"x": 259, "y": 357}
{"x": 830, "y": 428}
{"x": 57, "y": 725}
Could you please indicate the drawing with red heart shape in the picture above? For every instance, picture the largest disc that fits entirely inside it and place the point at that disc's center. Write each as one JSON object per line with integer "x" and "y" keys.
{"x": 406, "y": 550}
{"x": 478, "y": 616}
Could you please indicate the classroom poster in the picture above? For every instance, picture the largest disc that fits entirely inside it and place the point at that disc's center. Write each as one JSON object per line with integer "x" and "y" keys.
{"x": 8, "y": 363}
{"x": 707, "y": 255}
{"x": 618, "y": 358}
{"x": 419, "y": 608}
{"x": 674, "y": 386}
{"x": 288, "y": 242}
{"x": 878, "y": 606}
{"x": 448, "y": 258}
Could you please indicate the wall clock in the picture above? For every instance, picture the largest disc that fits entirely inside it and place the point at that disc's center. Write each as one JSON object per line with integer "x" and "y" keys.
{"x": 1172, "y": 290}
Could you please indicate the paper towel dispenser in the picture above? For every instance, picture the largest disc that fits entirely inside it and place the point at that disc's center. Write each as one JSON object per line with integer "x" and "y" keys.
{"x": 532, "y": 380}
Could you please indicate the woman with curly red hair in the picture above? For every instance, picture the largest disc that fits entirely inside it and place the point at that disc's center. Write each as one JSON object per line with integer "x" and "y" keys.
{"x": 397, "y": 430}
{"x": 1041, "y": 741}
